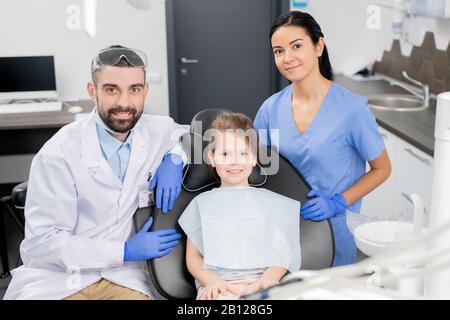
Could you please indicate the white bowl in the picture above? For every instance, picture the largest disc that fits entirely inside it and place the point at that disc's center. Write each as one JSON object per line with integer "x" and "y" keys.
{"x": 373, "y": 237}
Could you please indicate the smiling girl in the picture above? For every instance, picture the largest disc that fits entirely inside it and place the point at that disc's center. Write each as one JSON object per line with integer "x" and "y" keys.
{"x": 240, "y": 239}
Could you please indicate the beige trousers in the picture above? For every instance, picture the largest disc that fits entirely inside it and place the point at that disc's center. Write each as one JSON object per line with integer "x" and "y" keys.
{"x": 106, "y": 290}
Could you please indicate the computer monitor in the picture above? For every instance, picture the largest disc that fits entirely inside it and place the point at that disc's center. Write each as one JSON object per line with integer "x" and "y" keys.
{"x": 27, "y": 78}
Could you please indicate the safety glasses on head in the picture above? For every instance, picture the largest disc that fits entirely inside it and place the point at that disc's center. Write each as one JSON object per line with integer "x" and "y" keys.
{"x": 111, "y": 57}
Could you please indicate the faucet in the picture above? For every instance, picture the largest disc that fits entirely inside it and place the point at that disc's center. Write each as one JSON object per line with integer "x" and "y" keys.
{"x": 422, "y": 91}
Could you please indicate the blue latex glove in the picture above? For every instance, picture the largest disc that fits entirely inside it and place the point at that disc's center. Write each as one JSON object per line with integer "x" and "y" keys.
{"x": 146, "y": 245}
{"x": 321, "y": 208}
{"x": 167, "y": 180}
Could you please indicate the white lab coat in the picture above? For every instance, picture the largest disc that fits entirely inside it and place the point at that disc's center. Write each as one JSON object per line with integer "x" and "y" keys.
{"x": 78, "y": 213}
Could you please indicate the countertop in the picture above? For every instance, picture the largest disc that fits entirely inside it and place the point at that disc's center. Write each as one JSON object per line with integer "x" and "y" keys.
{"x": 415, "y": 127}
{"x": 50, "y": 119}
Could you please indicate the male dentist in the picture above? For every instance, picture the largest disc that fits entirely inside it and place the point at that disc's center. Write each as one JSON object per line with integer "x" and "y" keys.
{"x": 87, "y": 182}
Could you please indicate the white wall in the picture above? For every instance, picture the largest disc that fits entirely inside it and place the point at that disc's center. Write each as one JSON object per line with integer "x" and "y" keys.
{"x": 34, "y": 27}
{"x": 351, "y": 43}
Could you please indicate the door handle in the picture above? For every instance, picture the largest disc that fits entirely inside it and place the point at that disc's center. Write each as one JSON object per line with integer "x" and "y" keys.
{"x": 422, "y": 159}
{"x": 185, "y": 60}
{"x": 406, "y": 196}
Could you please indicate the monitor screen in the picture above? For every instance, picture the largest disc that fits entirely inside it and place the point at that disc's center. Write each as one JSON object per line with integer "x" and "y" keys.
{"x": 21, "y": 75}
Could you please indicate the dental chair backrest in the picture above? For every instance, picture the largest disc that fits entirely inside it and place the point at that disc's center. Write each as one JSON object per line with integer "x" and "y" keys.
{"x": 169, "y": 273}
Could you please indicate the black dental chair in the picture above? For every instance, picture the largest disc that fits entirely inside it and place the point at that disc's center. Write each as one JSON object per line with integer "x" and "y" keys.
{"x": 169, "y": 274}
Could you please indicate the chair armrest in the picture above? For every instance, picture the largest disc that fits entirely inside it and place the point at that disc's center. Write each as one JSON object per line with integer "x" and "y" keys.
{"x": 19, "y": 194}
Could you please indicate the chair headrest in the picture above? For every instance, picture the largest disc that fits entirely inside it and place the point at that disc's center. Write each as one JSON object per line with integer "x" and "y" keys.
{"x": 198, "y": 173}
{"x": 202, "y": 121}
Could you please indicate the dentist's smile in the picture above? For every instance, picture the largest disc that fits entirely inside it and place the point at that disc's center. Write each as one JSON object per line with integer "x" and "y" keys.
{"x": 122, "y": 115}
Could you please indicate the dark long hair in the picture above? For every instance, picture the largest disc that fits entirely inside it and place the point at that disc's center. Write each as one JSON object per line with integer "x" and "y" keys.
{"x": 309, "y": 24}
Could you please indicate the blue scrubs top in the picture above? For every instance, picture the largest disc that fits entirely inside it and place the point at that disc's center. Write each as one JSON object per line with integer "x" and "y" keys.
{"x": 331, "y": 153}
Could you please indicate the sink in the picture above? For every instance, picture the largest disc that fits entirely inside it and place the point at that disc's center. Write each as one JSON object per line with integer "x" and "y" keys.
{"x": 396, "y": 102}
{"x": 374, "y": 237}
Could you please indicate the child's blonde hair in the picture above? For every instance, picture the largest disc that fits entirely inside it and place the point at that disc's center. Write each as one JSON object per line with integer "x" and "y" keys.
{"x": 238, "y": 122}
{"x": 232, "y": 121}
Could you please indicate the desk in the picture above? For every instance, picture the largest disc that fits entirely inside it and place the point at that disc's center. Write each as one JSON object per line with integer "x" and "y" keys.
{"x": 22, "y": 135}
{"x": 26, "y": 133}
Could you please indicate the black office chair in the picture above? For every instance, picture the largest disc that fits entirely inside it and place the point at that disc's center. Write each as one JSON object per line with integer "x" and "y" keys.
{"x": 169, "y": 274}
{"x": 13, "y": 205}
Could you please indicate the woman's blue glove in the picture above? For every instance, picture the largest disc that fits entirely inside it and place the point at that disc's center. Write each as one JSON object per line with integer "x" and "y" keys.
{"x": 167, "y": 179}
{"x": 146, "y": 245}
{"x": 321, "y": 208}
